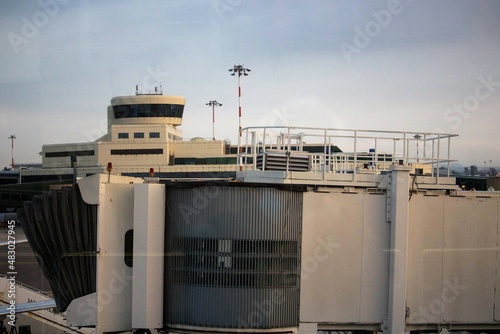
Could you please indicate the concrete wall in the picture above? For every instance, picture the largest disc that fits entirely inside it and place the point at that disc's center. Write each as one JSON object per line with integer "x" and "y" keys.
{"x": 189, "y": 149}
{"x": 166, "y": 132}
{"x": 65, "y": 161}
{"x": 148, "y": 160}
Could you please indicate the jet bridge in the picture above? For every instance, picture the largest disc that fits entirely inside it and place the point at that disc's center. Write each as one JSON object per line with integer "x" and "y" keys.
{"x": 376, "y": 240}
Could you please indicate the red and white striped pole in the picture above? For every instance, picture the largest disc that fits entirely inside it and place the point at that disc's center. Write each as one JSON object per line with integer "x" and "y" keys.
{"x": 213, "y": 104}
{"x": 239, "y": 69}
{"x": 239, "y": 103}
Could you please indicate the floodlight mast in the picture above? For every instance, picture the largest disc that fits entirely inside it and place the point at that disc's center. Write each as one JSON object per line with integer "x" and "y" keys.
{"x": 418, "y": 137}
{"x": 12, "y": 137}
{"x": 213, "y": 104}
{"x": 239, "y": 69}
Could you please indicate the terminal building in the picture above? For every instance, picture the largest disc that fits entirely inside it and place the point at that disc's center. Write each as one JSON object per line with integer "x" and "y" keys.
{"x": 297, "y": 242}
{"x": 299, "y": 237}
{"x": 143, "y": 133}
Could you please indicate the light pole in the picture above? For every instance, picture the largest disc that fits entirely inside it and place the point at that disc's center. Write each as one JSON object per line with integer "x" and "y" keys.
{"x": 239, "y": 69}
{"x": 417, "y": 137}
{"x": 213, "y": 104}
{"x": 12, "y": 137}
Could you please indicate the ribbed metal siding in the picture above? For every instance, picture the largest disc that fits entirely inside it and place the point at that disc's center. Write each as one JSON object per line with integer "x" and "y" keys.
{"x": 232, "y": 257}
{"x": 62, "y": 231}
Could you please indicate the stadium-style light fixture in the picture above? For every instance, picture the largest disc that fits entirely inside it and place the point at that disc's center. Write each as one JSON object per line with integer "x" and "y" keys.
{"x": 213, "y": 104}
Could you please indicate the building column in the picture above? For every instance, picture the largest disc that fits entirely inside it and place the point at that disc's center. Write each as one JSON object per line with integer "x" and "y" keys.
{"x": 148, "y": 258}
{"x": 398, "y": 216}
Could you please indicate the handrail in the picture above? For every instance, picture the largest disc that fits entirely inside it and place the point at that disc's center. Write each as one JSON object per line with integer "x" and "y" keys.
{"x": 372, "y": 150}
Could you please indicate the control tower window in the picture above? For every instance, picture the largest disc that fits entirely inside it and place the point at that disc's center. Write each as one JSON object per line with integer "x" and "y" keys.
{"x": 148, "y": 110}
{"x": 138, "y": 135}
{"x": 123, "y": 135}
{"x": 154, "y": 135}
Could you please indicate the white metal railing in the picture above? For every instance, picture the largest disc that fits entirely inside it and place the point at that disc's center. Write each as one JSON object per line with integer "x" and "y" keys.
{"x": 361, "y": 150}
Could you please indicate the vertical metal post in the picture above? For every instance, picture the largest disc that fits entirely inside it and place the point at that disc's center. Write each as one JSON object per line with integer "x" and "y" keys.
{"x": 288, "y": 152}
{"x": 254, "y": 150}
{"x": 239, "y": 103}
{"x": 264, "y": 141}
{"x": 449, "y": 151}
{"x": 438, "y": 157}
{"x": 213, "y": 121}
{"x": 12, "y": 137}
{"x": 355, "y": 155}
{"x": 213, "y": 104}
{"x": 405, "y": 143}
{"x": 246, "y": 148}
{"x": 398, "y": 213}
{"x": 331, "y": 165}
{"x": 324, "y": 155}
{"x": 425, "y": 146}
{"x": 394, "y": 150}
{"x": 432, "y": 158}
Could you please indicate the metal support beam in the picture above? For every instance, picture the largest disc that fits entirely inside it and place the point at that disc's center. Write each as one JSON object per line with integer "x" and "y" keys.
{"x": 398, "y": 210}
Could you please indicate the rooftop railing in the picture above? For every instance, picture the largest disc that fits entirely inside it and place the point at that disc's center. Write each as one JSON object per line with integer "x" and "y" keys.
{"x": 343, "y": 150}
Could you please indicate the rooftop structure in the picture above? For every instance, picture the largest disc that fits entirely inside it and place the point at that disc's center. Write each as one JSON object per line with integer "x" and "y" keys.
{"x": 282, "y": 151}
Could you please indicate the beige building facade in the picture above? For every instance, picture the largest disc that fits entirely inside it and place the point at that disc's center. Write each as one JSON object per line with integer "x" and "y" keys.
{"x": 142, "y": 132}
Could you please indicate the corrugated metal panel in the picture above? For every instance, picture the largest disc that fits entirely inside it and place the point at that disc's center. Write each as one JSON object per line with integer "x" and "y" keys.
{"x": 61, "y": 229}
{"x": 232, "y": 257}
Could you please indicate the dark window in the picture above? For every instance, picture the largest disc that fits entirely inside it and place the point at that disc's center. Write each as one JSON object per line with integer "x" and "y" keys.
{"x": 129, "y": 248}
{"x": 123, "y": 135}
{"x": 148, "y": 110}
{"x": 154, "y": 135}
{"x": 209, "y": 161}
{"x": 139, "y": 135}
{"x": 68, "y": 154}
{"x": 137, "y": 151}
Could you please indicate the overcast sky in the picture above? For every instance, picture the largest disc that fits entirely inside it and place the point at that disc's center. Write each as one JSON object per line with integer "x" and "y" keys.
{"x": 422, "y": 66}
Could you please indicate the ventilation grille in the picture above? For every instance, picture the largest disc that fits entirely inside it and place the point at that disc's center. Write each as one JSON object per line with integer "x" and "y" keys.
{"x": 278, "y": 161}
{"x": 232, "y": 257}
